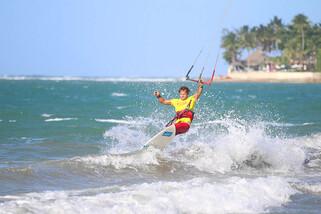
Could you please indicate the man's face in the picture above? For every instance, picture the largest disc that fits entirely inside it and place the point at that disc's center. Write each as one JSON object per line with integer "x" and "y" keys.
{"x": 183, "y": 94}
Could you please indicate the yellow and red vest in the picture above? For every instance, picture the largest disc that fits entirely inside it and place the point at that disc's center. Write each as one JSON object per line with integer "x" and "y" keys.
{"x": 184, "y": 109}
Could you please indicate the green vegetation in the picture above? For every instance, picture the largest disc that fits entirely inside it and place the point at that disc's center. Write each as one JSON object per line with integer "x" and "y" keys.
{"x": 296, "y": 46}
{"x": 318, "y": 67}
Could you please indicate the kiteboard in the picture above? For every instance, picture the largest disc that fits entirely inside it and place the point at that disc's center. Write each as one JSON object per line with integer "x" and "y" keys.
{"x": 160, "y": 140}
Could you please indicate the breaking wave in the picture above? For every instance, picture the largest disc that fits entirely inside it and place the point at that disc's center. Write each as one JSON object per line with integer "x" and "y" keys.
{"x": 57, "y": 119}
{"x": 211, "y": 149}
{"x": 198, "y": 195}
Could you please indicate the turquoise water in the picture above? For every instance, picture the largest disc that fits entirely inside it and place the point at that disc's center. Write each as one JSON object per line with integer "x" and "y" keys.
{"x": 253, "y": 147}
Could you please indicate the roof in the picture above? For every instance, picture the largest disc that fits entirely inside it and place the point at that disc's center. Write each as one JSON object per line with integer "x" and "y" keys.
{"x": 256, "y": 58}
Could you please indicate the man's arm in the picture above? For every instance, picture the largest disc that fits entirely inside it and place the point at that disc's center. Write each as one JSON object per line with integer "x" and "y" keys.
{"x": 161, "y": 99}
{"x": 199, "y": 90}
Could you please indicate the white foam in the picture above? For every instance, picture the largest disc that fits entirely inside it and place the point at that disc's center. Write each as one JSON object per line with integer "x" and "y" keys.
{"x": 276, "y": 124}
{"x": 140, "y": 160}
{"x": 126, "y": 138}
{"x": 118, "y": 121}
{"x": 95, "y": 79}
{"x": 46, "y": 115}
{"x": 12, "y": 121}
{"x": 308, "y": 124}
{"x": 130, "y": 121}
{"x": 210, "y": 122}
{"x": 309, "y": 188}
{"x": 308, "y": 142}
{"x": 117, "y": 94}
{"x": 241, "y": 147}
{"x": 121, "y": 107}
{"x": 57, "y": 119}
{"x": 199, "y": 195}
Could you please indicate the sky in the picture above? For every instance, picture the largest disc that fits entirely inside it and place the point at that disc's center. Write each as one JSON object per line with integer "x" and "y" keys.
{"x": 133, "y": 38}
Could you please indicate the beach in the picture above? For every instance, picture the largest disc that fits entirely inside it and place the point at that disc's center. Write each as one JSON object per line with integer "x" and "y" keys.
{"x": 263, "y": 76}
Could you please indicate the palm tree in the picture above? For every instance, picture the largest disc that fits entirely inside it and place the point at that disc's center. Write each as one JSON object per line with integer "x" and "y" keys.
{"x": 276, "y": 27}
{"x": 230, "y": 42}
{"x": 245, "y": 38}
{"x": 313, "y": 46}
{"x": 298, "y": 42}
{"x": 254, "y": 40}
{"x": 263, "y": 36}
{"x": 300, "y": 24}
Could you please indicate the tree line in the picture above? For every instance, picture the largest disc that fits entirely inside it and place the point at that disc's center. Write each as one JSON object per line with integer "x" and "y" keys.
{"x": 298, "y": 42}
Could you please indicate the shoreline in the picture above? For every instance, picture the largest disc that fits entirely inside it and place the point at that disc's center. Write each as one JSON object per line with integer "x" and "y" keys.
{"x": 277, "y": 77}
{"x": 257, "y": 76}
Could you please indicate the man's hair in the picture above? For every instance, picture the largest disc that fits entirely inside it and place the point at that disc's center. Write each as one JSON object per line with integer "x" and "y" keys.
{"x": 184, "y": 88}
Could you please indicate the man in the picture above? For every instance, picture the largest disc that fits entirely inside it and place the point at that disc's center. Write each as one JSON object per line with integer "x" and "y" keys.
{"x": 184, "y": 107}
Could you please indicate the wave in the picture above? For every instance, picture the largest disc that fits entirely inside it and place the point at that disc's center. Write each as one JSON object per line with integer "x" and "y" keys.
{"x": 15, "y": 172}
{"x": 288, "y": 124}
{"x": 57, "y": 119}
{"x": 46, "y": 115}
{"x": 239, "y": 147}
{"x": 116, "y": 94}
{"x": 266, "y": 124}
{"x": 121, "y": 107}
{"x": 128, "y": 122}
{"x": 95, "y": 79}
{"x": 136, "y": 160}
{"x": 309, "y": 188}
{"x": 214, "y": 155}
{"x": 251, "y": 152}
{"x": 198, "y": 195}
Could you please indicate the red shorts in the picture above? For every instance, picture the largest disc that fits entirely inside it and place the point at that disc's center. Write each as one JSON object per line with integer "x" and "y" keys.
{"x": 181, "y": 128}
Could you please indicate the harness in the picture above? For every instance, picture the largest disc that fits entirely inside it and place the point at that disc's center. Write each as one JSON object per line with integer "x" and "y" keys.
{"x": 186, "y": 113}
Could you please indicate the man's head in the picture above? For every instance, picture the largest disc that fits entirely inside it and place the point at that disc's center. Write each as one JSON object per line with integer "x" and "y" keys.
{"x": 183, "y": 92}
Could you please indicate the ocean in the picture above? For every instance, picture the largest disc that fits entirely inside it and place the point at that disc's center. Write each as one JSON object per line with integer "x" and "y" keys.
{"x": 252, "y": 148}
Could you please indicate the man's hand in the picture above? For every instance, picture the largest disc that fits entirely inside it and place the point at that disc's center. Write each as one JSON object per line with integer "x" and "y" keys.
{"x": 157, "y": 94}
{"x": 200, "y": 84}
{"x": 199, "y": 89}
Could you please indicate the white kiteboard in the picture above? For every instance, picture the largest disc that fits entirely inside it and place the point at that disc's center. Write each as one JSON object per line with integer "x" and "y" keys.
{"x": 161, "y": 139}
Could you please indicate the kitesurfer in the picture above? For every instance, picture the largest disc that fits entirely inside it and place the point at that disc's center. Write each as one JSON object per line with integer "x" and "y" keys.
{"x": 184, "y": 107}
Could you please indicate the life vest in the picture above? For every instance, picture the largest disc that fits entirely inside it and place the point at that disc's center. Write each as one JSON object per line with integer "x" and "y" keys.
{"x": 184, "y": 116}
{"x": 184, "y": 110}
{"x": 181, "y": 105}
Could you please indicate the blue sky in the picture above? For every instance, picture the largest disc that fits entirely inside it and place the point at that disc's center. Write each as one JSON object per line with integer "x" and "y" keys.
{"x": 137, "y": 38}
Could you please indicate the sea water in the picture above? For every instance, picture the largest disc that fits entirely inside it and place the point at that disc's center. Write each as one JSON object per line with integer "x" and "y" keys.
{"x": 252, "y": 148}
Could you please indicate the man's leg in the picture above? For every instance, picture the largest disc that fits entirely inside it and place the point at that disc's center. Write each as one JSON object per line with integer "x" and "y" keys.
{"x": 181, "y": 128}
